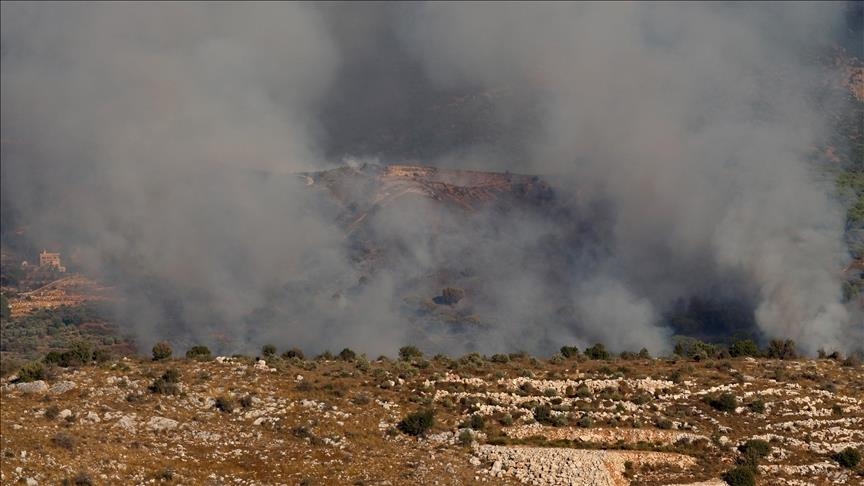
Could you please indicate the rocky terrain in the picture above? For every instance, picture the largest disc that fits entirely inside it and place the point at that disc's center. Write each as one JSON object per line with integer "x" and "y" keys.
{"x": 505, "y": 419}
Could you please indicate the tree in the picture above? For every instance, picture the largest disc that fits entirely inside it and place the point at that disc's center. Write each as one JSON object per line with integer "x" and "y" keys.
{"x": 740, "y": 476}
{"x": 294, "y": 353}
{"x": 780, "y": 349}
{"x": 743, "y": 347}
{"x": 598, "y": 351}
{"x": 407, "y": 353}
{"x": 199, "y": 353}
{"x": 417, "y": 423}
{"x": 268, "y": 350}
{"x": 162, "y": 351}
{"x": 848, "y": 457}
{"x": 724, "y": 403}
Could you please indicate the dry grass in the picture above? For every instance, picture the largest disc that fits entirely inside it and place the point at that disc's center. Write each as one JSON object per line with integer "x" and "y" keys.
{"x": 338, "y": 424}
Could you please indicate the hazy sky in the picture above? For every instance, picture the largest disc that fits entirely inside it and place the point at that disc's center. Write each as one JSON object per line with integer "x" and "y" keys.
{"x": 157, "y": 133}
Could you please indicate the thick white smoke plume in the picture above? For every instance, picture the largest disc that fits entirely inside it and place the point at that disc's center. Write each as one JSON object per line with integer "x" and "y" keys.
{"x": 160, "y": 137}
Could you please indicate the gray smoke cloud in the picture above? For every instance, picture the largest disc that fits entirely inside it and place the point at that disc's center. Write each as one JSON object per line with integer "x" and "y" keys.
{"x": 161, "y": 137}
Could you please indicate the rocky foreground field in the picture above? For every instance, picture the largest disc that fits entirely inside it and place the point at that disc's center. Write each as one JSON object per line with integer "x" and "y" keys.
{"x": 495, "y": 420}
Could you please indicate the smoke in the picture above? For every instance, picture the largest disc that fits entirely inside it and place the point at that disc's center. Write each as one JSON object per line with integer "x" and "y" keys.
{"x": 158, "y": 141}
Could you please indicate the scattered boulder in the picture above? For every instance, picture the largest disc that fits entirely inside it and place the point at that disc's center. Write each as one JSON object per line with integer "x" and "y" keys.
{"x": 37, "y": 386}
{"x": 158, "y": 424}
{"x": 62, "y": 387}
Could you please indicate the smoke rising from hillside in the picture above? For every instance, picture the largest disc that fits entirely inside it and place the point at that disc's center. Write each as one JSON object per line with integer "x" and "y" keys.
{"x": 160, "y": 136}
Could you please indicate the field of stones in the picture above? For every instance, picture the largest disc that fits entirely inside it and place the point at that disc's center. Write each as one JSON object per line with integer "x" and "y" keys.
{"x": 504, "y": 419}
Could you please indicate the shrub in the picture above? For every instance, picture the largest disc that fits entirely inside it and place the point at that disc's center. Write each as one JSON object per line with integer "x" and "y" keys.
{"x": 162, "y": 351}
{"x": 780, "y": 349}
{"x": 294, "y": 353}
{"x": 476, "y": 422}
{"x": 570, "y": 351}
{"x": 167, "y": 383}
{"x": 753, "y": 451}
{"x": 407, "y": 353}
{"x": 246, "y": 401}
{"x": 726, "y": 402}
{"x": 466, "y": 437}
{"x": 102, "y": 355}
{"x": 347, "y": 355}
{"x": 694, "y": 349}
{"x": 663, "y": 423}
{"x": 500, "y": 358}
{"x": 268, "y": 350}
{"x": 199, "y": 353}
{"x": 744, "y": 347}
{"x": 853, "y": 360}
{"x": 79, "y": 353}
{"x": 64, "y": 440}
{"x": 598, "y": 351}
{"x": 362, "y": 364}
{"x": 81, "y": 479}
{"x": 644, "y": 354}
{"x": 740, "y": 476}
{"x": 450, "y": 296}
{"x": 585, "y": 422}
{"x": 757, "y": 406}
{"x": 32, "y": 371}
{"x": 52, "y": 412}
{"x": 224, "y": 404}
{"x": 848, "y": 457}
{"x": 417, "y": 423}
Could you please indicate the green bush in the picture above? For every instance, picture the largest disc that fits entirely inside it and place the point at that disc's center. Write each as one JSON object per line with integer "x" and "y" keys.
{"x": 848, "y": 457}
{"x": 753, "y": 451}
{"x": 294, "y": 353}
{"x": 663, "y": 423}
{"x": 570, "y": 351}
{"x": 476, "y": 422}
{"x": 598, "y": 351}
{"x": 102, "y": 355}
{"x": 268, "y": 351}
{"x": 757, "y": 406}
{"x": 224, "y": 404}
{"x": 417, "y": 423}
{"x": 199, "y": 353}
{"x": 726, "y": 402}
{"x": 64, "y": 440}
{"x": 744, "y": 347}
{"x": 52, "y": 412}
{"x": 407, "y": 353}
{"x": 32, "y": 371}
{"x": 167, "y": 383}
{"x": 740, "y": 476}
{"x": 780, "y": 349}
{"x": 347, "y": 355}
{"x": 162, "y": 351}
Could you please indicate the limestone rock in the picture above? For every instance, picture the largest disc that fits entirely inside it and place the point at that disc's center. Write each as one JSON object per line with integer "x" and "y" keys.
{"x": 159, "y": 424}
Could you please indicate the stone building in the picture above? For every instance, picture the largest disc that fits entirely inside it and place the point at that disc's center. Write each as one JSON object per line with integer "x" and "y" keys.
{"x": 49, "y": 259}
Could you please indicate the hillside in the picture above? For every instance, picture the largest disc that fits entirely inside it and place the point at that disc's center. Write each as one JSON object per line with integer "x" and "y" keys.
{"x": 497, "y": 420}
